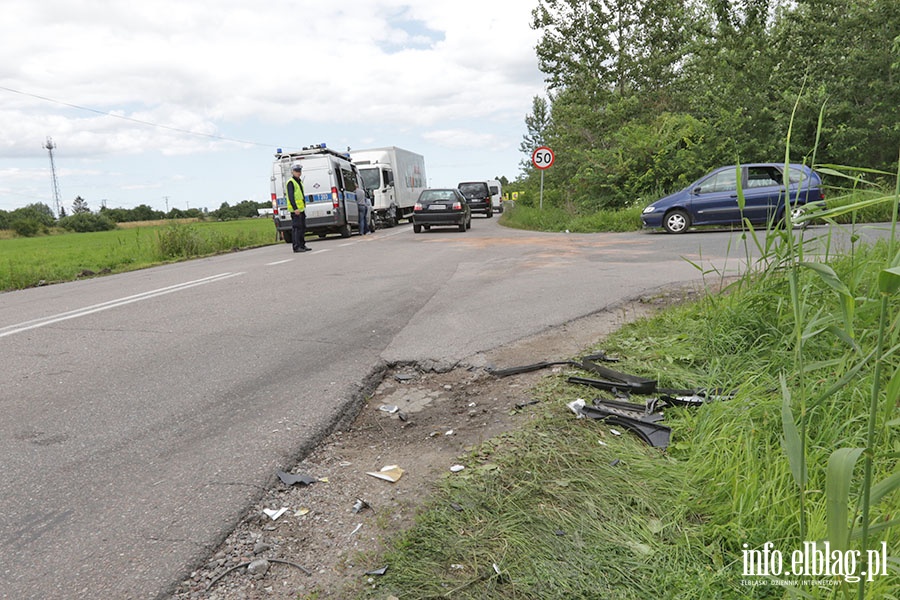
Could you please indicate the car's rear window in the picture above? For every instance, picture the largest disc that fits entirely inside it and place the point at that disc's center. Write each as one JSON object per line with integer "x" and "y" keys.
{"x": 472, "y": 190}
{"x": 437, "y": 195}
{"x": 797, "y": 175}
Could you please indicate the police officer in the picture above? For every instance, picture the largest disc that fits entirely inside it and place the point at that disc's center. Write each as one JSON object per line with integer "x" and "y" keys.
{"x": 293, "y": 191}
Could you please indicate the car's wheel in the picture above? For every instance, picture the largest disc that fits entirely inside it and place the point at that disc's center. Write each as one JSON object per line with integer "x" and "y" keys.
{"x": 345, "y": 230}
{"x": 797, "y": 211}
{"x": 677, "y": 221}
{"x": 417, "y": 228}
{"x": 288, "y": 236}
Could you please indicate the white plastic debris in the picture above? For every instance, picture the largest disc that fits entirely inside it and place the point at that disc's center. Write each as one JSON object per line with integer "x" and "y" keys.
{"x": 456, "y": 468}
{"x": 275, "y": 513}
{"x": 575, "y": 406}
{"x": 615, "y": 432}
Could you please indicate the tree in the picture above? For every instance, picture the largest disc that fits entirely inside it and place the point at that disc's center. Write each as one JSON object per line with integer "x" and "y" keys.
{"x": 80, "y": 206}
{"x": 609, "y": 47}
{"x": 610, "y": 64}
{"x": 537, "y": 124}
{"x": 144, "y": 212}
{"x": 853, "y": 70}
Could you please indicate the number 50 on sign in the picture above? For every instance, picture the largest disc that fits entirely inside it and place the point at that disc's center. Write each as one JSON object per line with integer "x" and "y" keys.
{"x": 542, "y": 157}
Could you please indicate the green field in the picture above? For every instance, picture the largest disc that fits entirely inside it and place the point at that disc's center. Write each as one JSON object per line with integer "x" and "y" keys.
{"x": 30, "y": 261}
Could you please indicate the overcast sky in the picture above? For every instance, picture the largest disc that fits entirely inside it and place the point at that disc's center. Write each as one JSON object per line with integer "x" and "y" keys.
{"x": 178, "y": 103}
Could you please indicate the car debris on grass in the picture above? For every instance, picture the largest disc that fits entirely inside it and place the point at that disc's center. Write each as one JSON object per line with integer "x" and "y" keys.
{"x": 641, "y": 419}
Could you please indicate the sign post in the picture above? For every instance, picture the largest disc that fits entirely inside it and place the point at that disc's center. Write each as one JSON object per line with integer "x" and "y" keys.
{"x": 542, "y": 158}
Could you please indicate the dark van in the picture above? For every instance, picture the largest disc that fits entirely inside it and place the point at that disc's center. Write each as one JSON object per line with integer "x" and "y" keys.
{"x": 478, "y": 195}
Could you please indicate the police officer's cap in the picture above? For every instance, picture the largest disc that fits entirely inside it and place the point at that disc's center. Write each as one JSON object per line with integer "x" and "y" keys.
{"x": 296, "y": 167}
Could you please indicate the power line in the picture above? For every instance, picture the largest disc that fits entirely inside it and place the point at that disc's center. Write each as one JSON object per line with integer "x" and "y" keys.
{"x": 139, "y": 121}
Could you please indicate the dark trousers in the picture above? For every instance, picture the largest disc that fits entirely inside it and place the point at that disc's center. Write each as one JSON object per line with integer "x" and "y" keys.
{"x": 298, "y": 230}
{"x": 363, "y": 219}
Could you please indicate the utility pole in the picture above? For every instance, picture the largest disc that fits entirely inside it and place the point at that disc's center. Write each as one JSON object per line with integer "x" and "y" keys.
{"x": 49, "y": 146}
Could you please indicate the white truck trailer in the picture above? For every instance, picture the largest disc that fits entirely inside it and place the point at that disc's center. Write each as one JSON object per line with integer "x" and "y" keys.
{"x": 395, "y": 176}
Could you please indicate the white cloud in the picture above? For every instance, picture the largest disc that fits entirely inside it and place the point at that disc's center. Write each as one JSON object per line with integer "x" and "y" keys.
{"x": 388, "y": 72}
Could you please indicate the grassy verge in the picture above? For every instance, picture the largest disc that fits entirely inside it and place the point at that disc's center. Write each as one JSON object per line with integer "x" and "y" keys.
{"x": 558, "y": 219}
{"x": 566, "y": 509}
{"x": 27, "y": 262}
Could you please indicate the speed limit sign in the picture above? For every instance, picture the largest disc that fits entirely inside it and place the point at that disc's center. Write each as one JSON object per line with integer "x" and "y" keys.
{"x": 542, "y": 157}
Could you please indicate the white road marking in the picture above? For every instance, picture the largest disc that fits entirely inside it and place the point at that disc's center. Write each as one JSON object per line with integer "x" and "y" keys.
{"x": 87, "y": 310}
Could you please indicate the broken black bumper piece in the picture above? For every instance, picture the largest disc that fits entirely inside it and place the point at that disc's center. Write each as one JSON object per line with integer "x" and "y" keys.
{"x": 654, "y": 434}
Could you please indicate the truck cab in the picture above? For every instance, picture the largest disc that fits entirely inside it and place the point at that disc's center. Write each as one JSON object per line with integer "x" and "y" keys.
{"x": 332, "y": 186}
{"x": 395, "y": 178}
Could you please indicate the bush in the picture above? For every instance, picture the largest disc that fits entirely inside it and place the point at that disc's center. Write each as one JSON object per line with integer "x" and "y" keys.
{"x": 178, "y": 241}
{"x": 38, "y": 212}
{"x": 26, "y": 227}
{"x": 85, "y": 222}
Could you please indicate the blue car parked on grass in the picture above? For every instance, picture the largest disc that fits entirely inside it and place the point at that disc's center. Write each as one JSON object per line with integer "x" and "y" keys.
{"x": 713, "y": 199}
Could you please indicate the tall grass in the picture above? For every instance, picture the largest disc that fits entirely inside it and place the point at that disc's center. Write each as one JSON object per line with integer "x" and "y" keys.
{"x": 27, "y": 262}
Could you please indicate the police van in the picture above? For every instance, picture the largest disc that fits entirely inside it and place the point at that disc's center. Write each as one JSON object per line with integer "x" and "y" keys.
{"x": 331, "y": 184}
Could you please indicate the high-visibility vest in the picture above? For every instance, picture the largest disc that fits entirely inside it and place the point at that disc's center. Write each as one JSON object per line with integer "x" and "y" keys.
{"x": 299, "y": 203}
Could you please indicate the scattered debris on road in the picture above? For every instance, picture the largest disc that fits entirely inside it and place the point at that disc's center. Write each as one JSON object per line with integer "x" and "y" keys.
{"x": 391, "y": 473}
{"x": 291, "y": 479}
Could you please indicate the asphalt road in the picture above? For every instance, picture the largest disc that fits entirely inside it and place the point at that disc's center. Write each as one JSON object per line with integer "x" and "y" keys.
{"x": 142, "y": 413}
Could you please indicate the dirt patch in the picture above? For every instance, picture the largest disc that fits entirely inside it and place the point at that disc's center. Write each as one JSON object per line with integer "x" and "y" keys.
{"x": 423, "y": 422}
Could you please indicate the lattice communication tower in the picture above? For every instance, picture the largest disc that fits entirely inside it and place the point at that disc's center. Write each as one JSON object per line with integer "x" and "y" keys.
{"x": 49, "y": 147}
